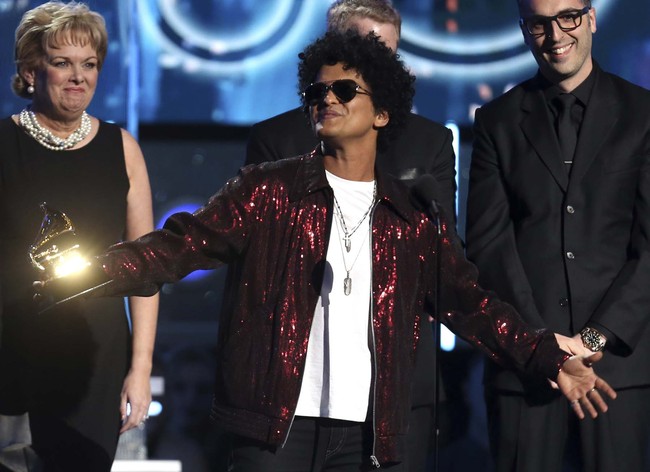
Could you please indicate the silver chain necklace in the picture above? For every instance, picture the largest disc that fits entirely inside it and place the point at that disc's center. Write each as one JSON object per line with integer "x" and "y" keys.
{"x": 347, "y": 281}
{"x": 348, "y": 234}
{"x": 46, "y": 138}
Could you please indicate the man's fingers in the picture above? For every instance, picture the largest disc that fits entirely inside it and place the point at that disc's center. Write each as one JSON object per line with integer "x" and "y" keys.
{"x": 593, "y": 397}
{"x": 593, "y": 402}
{"x": 582, "y": 405}
{"x": 604, "y": 387}
{"x": 577, "y": 408}
{"x": 595, "y": 357}
{"x": 597, "y": 400}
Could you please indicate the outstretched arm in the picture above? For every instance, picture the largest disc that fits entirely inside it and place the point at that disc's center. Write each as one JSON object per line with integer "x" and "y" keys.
{"x": 494, "y": 327}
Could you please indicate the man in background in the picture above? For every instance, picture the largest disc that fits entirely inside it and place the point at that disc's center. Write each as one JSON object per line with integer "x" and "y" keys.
{"x": 422, "y": 147}
{"x": 558, "y": 224}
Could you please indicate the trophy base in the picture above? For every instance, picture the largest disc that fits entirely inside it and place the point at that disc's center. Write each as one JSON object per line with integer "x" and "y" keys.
{"x": 50, "y": 303}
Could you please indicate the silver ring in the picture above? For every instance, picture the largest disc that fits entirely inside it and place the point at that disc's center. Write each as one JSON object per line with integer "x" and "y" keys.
{"x": 591, "y": 391}
{"x": 574, "y": 402}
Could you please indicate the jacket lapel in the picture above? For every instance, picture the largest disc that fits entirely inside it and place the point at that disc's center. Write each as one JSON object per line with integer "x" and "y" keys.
{"x": 600, "y": 116}
{"x": 537, "y": 126}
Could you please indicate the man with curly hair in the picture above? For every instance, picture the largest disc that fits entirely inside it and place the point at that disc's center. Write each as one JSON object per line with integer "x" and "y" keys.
{"x": 421, "y": 147}
{"x": 332, "y": 271}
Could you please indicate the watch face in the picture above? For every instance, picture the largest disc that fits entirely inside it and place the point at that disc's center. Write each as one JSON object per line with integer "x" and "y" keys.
{"x": 592, "y": 339}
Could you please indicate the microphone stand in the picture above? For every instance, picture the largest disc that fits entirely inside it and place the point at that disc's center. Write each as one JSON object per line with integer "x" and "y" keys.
{"x": 435, "y": 213}
{"x": 424, "y": 192}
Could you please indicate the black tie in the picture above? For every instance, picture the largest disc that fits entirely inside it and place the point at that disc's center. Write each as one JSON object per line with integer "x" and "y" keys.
{"x": 566, "y": 131}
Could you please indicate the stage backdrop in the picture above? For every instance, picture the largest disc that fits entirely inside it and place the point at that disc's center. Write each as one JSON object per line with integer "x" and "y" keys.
{"x": 234, "y": 61}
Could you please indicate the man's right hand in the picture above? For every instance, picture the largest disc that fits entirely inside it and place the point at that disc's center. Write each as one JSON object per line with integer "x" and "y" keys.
{"x": 53, "y": 292}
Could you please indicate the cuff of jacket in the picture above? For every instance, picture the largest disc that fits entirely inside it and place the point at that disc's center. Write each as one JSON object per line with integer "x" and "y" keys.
{"x": 548, "y": 358}
{"x": 126, "y": 277}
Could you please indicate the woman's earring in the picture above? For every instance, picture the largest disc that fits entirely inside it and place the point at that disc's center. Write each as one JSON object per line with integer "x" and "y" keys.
{"x": 30, "y": 89}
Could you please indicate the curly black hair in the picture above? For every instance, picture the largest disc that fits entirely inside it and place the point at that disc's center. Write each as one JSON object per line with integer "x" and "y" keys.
{"x": 385, "y": 73}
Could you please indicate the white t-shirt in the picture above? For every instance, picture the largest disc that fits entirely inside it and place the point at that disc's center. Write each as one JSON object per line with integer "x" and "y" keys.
{"x": 338, "y": 370}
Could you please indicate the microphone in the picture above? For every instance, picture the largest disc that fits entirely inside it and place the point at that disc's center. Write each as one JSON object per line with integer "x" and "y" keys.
{"x": 424, "y": 194}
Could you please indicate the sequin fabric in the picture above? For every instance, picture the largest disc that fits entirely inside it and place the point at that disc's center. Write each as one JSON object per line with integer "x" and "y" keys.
{"x": 272, "y": 224}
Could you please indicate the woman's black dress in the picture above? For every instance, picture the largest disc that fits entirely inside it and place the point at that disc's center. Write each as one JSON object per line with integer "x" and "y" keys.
{"x": 66, "y": 366}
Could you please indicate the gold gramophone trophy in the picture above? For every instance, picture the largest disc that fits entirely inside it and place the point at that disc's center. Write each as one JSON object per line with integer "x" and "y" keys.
{"x": 57, "y": 255}
{"x": 56, "y": 252}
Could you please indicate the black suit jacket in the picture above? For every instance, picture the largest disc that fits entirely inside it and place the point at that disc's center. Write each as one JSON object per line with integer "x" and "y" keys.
{"x": 567, "y": 252}
{"x": 422, "y": 147}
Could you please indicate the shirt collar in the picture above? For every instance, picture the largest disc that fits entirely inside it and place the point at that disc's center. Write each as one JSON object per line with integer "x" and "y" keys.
{"x": 310, "y": 177}
{"x": 582, "y": 92}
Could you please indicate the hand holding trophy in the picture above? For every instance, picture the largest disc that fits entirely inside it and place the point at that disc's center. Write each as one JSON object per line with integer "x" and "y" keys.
{"x": 58, "y": 256}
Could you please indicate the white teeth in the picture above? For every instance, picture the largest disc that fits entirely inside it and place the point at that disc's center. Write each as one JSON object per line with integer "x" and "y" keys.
{"x": 561, "y": 50}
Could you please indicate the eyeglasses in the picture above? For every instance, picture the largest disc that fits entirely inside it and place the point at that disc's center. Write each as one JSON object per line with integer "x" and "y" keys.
{"x": 567, "y": 21}
{"x": 345, "y": 90}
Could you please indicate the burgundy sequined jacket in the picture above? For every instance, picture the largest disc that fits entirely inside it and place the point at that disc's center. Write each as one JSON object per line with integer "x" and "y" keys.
{"x": 272, "y": 224}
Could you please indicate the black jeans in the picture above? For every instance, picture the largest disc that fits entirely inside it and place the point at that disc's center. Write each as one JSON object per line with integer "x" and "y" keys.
{"x": 314, "y": 445}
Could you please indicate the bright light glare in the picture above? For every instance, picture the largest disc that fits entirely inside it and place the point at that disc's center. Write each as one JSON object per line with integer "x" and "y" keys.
{"x": 447, "y": 339}
{"x": 70, "y": 263}
{"x": 155, "y": 408}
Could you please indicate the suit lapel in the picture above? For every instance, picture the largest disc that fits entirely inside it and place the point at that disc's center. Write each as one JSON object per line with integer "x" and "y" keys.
{"x": 600, "y": 116}
{"x": 537, "y": 126}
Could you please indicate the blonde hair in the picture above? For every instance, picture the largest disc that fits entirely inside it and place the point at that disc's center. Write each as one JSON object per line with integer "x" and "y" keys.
{"x": 342, "y": 12}
{"x": 50, "y": 25}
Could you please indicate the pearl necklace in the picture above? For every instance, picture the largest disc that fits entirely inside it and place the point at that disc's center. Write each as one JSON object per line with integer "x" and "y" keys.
{"x": 46, "y": 138}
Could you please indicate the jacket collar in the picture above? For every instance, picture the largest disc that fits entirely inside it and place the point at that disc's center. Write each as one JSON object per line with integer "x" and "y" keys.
{"x": 310, "y": 178}
{"x": 537, "y": 126}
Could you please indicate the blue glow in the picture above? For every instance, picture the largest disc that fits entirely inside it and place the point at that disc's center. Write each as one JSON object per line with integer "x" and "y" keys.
{"x": 426, "y": 68}
{"x": 212, "y": 41}
{"x": 189, "y": 207}
{"x": 463, "y": 46}
{"x": 155, "y": 408}
{"x": 307, "y": 16}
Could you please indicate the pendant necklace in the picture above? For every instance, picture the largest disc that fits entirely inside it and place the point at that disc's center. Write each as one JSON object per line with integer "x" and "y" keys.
{"x": 339, "y": 213}
{"x": 347, "y": 281}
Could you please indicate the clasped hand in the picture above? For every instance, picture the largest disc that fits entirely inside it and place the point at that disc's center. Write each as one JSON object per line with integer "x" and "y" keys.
{"x": 52, "y": 292}
{"x": 579, "y": 383}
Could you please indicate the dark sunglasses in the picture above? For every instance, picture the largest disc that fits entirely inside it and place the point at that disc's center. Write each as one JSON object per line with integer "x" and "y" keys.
{"x": 345, "y": 90}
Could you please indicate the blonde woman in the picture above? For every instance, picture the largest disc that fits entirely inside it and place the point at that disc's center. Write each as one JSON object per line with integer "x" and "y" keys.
{"x": 74, "y": 370}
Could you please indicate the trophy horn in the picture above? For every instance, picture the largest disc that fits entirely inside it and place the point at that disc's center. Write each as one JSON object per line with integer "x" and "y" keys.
{"x": 55, "y": 250}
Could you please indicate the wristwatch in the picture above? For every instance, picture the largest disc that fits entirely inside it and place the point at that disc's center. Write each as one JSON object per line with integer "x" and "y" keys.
{"x": 592, "y": 339}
